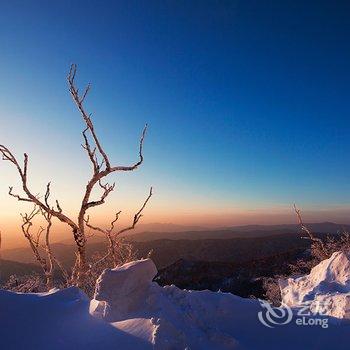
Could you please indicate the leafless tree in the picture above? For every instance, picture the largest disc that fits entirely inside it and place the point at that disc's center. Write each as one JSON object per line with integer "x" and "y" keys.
{"x": 112, "y": 236}
{"x": 101, "y": 166}
{"x": 317, "y": 244}
{"x": 41, "y": 248}
{"x": 322, "y": 248}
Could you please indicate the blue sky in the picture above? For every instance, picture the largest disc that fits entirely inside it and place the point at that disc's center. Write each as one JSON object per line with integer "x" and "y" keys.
{"x": 246, "y": 101}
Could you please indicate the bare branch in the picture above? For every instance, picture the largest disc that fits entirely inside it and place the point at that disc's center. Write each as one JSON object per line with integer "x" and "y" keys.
{"x": 7, "y": 155}
{"x": 107, "y": 189}
{"x": 140, "y": 161}
{"x": 79, "y": 102}
{"x": 102, "y": 167}
{"x": 87, "y": 89}
{"x": 137, "y": 216}
{"x": 303, "y": 227}
{"x": 58, "y": 206}
{"x": 36, "y": 240}
{"x": 17, "y": 196}
{"x": 47, "y": 194}
{"x": 114, "y": 221}
{"x": 91, "y": 153}
{"x": 309, "y": 233}
{"x": 34, "y": 243}
{"x": 95, "y": 228}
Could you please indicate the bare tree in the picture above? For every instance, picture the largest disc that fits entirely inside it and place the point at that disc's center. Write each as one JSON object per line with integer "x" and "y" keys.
{"x": 101, "y": 166}
{"x": 42, "y": 250}
{"x": 317, "y": 244}
{"x": 112, "y": 236}
{"x": 323, "y": 248}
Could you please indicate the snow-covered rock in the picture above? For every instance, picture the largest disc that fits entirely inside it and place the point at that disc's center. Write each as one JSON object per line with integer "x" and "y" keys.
{"x": 326, "y": 288}
{"x": 174, "y": 319}
{"x": 178, "y": 319}
{"x": 123, "y": 289}
{"x": 121, "y": 281}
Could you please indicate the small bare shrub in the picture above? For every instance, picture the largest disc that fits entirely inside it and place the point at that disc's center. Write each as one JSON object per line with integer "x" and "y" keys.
{"x": 25, "y": 284}
{"x": 272, "y": 290}
{"x": 100, "y": 261}
{"x": 319, "y": 250}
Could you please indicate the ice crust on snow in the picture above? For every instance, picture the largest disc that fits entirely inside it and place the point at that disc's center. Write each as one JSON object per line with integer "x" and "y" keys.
{"x": 327, "y": 287}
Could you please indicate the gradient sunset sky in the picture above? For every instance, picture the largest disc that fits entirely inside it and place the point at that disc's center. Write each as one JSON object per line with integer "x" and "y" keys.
{"x": 247, "y": 104}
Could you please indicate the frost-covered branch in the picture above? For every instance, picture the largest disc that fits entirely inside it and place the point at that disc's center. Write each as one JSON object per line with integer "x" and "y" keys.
{"x": 112, "y": 236}
{"x": 102, "y": 167}
{"x": 319, "y": 244}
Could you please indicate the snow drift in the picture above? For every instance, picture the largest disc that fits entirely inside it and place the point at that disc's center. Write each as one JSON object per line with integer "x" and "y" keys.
{"x": 130, "y": 311}
{"x": 326, "y": 288}
{"x": 171, "y": 318}
{"x": 124, "y": 289}
{"x": 57, "y": 320}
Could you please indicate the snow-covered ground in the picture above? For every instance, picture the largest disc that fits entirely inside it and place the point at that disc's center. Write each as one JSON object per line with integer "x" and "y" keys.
{"x": 327, "y": 287}
{"x": 132, "y": 312}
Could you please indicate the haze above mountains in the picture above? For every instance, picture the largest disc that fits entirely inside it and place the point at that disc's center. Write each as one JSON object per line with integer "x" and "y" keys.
{"x": 175, "y": 232}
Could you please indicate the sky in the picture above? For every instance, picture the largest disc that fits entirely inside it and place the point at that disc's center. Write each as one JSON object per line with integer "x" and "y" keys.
{"x": 246, "y": 102}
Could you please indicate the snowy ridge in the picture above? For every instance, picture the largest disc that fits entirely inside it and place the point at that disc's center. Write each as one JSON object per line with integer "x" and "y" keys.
{"x": 132, "y": 312}
{"x": 327, "y": 285}
{"x": 171, "y": 318}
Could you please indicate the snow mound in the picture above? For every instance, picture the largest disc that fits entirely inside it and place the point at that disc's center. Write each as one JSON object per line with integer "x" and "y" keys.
{"x": 173, "y": 319}
{"x": 135, "y": 313}
{"x": 123, "y": 289}
{"x": 121, "y": 281}
{"x": 327, "y": 286}
{"x": 57, "y": 320}
{"x": 178, "y": 319}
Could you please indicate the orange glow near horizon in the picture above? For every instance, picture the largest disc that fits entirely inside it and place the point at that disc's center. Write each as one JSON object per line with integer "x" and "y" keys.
{"x": 155, "y": 213}
{"x": 178, "y": 206}
{"x": 65, "y": 164}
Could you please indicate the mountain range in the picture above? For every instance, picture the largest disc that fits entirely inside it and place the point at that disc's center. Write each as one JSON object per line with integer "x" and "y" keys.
{"x": 237, "y": 244}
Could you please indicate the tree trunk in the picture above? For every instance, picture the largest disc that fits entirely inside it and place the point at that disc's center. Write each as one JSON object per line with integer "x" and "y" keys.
{"x": 49, "y": 280}
{"x": 80, "y": 265}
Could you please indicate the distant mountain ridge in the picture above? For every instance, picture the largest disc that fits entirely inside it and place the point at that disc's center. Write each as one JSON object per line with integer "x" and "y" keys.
{"x": 9, "y": 267}
{"x": 166, "y": 251}
{"x": 168, "y": 227}
{"x": 231, "y": 244}
{"x": 322, "y": 227}
{"x": 176, "y": 232}
{"x": 245, "y": 231}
